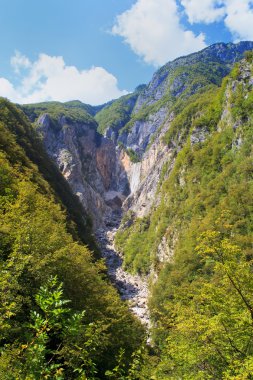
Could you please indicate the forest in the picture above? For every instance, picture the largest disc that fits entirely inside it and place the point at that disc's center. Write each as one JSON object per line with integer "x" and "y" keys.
{"x": 60, "y": 316}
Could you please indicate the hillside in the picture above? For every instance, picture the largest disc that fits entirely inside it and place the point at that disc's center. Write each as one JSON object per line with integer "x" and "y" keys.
{"x": 60, "y": 318}
{"x": 159, "y": 184}
{"x": 198, "y": 238}
{"x": 171, "y": 84}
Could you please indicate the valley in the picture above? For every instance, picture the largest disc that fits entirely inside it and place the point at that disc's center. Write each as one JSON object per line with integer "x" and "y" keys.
{"x": 138, "y": 215}
{"x": 132, "y": 288}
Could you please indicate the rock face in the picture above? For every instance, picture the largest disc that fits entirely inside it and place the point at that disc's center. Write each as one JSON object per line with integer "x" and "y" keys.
{"x": 145, "y": 135}
{"x": 89, "y": 163}
{"x": 151, "y": 104}
{"x": 98, "y": 166}
{"x": 141, "y": 132}
{"x": 144, "y": 176}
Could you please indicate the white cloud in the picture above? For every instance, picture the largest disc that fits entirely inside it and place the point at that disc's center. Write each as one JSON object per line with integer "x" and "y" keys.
{"x": 7, "y": 90}
{"x": 152, "y": 29}
{"x": 49, "y": 78}
{"x": 205, "y": 11}
{"x": 239, "y": 19}
{"x": 19, "y": 61}
{"x": 237, "y": 15}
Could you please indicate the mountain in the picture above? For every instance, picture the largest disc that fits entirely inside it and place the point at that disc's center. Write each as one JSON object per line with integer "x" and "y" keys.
{"x": 165, "y": 176}
{"x": 102, "y": 170}
{"x": 172, "y": 83}
{"x": 59, "y": 315}
{"x": 195, "y": 239}
{"x": 87, "y": 160}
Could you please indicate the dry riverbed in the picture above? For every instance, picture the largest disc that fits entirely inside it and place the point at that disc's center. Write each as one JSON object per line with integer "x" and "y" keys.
{"x": 132, "y": 288}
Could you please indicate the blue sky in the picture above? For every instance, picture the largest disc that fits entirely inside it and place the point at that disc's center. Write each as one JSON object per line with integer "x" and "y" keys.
{"x": 96, "y": 50}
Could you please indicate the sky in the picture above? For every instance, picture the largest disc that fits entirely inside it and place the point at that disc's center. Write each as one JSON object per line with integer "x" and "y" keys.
{"x": 98, "y": 50}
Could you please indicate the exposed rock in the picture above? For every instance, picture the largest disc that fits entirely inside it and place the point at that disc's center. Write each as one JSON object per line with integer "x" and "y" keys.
{"x": 198, "y": 135}
{"x": 144, "y": 176}
{"x": 165, "y": 251}
{"x": 89, "y": 162}
{"x": 139, "y": 134}
{"x": 132, "y": 288}
{"x": 237, "y": 142}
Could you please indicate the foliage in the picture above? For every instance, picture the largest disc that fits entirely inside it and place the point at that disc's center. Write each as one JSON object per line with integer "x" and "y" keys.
{"x": 201, "y": 304}
{"x": 59, "y": 316}
{"x": 140, "y": 241}
{"x": 133, "y": 155}
{"x": 211, "y": 330}
{"x": 202, "y": 168}
{"x": 117, "y": 114}
{"x": 75, "y": 111}
{"x": 39, "y": 241}
{"x": 139, "y": 369}
{"x": 24, "y": 150}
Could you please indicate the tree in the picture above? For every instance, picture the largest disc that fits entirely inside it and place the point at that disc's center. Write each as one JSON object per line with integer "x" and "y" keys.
{"x": 53, "y": 330}
{"x": 212, "y": 331}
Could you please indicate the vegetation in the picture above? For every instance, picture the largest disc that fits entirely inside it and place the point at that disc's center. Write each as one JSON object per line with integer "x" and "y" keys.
{"x": 74, "y": 111}
{"x": 133, "y": 155}
{"x": 117, "y": 114}
{"x": 197, "y": 114}
{"x": 59, "y": 316}
{"x": 23, "y": 147}
{"x": 201, "y": 111}
{"x": 201, "y": 304}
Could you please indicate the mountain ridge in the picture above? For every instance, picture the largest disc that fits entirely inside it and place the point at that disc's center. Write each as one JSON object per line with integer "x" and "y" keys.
{"x": 176, "y": 158}
{"x": 133, "y": 126}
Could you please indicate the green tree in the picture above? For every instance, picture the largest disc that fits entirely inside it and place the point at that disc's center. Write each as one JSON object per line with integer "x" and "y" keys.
{"x": 53, "y": 330}
{"x": 212, "y": 328}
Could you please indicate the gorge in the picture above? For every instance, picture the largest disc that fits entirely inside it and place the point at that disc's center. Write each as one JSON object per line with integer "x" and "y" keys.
{"x": 114, "y": 156}
{"x": 157, "y": 183}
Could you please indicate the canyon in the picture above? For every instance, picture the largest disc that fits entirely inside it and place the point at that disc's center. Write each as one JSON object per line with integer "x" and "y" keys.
{"x": 126, "y": 228}
{"x": 116, "y": 164}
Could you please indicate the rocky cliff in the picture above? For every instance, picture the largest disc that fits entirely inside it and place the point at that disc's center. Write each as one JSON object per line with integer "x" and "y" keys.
{"x": 176, "y": 157}
{"x": 164, "y": 201}
{"x": 87, "y": 160}
{"x": 151, "y": 105}
{"x": 89, "y": 163}
{"x": 155, "y": 107}
{"x": 122, "y": 152}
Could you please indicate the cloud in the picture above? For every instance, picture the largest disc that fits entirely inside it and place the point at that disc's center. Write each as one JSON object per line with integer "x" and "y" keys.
{"x": 152, "y": 29}
{"x": 204, "y": 11}
{"x": 7, "y": 90}
{"x": 239, "y": 19}
{"x": 49, "y": 78}
{"x": 19, "y": 61}
{"x": 236, "y": 14}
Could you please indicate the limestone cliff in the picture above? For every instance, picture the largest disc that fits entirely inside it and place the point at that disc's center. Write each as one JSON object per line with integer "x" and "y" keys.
{"x": 130, "y": 154}
{"x": 144, "y": 176}
{"x": 133, "y": 122}
{"x": 190, "y": 157}
{"x": 89, "y": 163}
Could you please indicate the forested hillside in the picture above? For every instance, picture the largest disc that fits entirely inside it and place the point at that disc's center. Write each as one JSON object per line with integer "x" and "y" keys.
{"x": 134, "y": 121}
{"x": 159, "y": 183}
{"x": 201, "y": 303}
{"x": 60, "y": 318}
